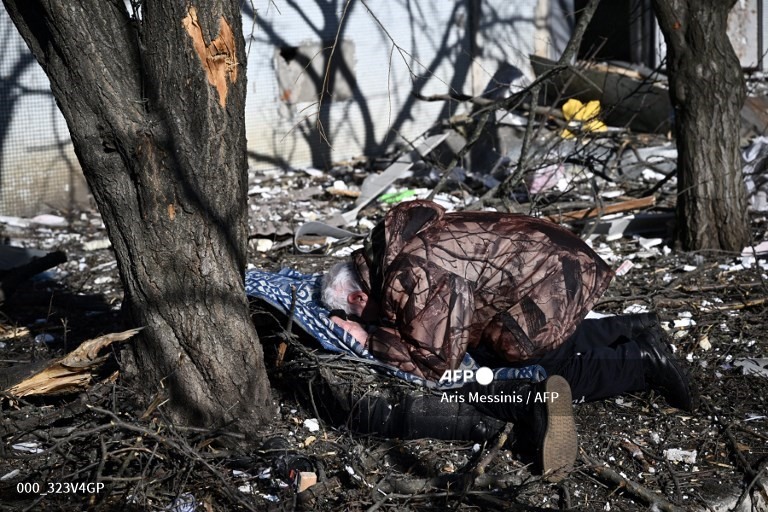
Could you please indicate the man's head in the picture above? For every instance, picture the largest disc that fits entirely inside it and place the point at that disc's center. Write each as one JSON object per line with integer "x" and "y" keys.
{"x": 342, "y": 290}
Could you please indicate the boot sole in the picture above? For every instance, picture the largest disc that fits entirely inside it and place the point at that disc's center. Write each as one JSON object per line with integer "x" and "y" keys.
{"x": 560, "y": 446}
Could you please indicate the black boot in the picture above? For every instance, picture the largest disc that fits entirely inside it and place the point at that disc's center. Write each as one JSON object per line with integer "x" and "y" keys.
{"x": 543, "y": 417}
{"x": 639, "y": 322}
{"x": 421, "y": 415}
{"x": 662, "y": 371}
{"x": 429, "y": 415}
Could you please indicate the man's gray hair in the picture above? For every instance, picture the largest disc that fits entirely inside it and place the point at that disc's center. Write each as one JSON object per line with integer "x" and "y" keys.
{"x": 338, "y": 283}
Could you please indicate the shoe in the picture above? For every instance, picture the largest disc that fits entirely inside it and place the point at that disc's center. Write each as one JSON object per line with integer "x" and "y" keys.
{"x": 662, "y": 371}
{"x": 554, "y": 429}
{"x": 543, "y": 418}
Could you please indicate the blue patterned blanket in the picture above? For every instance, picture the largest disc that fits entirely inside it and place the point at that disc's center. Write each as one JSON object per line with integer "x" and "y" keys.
{"x": 281, "y": 289}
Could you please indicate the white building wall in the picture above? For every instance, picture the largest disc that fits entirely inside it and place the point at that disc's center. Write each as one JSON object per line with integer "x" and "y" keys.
{"x": 38, "y": 168}
{"x": 398, "y": 47}
{"x": 392, "y": 47}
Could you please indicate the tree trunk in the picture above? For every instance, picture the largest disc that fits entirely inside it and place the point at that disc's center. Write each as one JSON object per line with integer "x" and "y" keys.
{"x": 155, "y": 107}
{"x": 707, "y": 91}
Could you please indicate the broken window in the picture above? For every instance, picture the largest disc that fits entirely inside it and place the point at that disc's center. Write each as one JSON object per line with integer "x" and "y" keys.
{"x": 303, "y": 72}
{"x": 620, "y": 30}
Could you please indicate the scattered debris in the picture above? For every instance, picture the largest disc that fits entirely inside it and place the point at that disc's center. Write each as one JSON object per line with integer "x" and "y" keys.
{"x": 184, "y": 503}
{"x": 679, "y": 455}
{"x": 376, "y": 184}
{"x": 757, "y": 366}
{"x": 28, "y": 447}
{"x": 305, "y": 480}
{"x": 95, "y": 245}
{"x": 634, "y": 97}
{"x": 755, "y": 171}
{"x": 713, "y": 305}
{"x": 312, "y": 425}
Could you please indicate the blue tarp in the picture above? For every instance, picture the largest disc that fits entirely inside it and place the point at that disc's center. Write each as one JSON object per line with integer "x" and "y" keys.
{"x": 292, "y": 292}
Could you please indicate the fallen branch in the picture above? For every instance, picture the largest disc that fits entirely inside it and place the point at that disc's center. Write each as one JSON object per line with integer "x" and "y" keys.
{"x": 758, "y": 480}
{"x": 588, "y": 213}
{"x": 471, "y": 477}
{"x": 71, "y": 373}
{"x": 757, "y": 301}
{"x": 13, "y": 333}
{"x": 343, "y": 192}
{"x": 493, "y": 452}
{"x": 636, "y": 453}
{"x": 317, "y": 491}
{"x": 442, "y": 482}
{"x": 719, "y": 287}
{"x": 748, "y": 470}
{"x": 654, "y": 500}
{"x": 731, "y": 306}
{"x": 182, "y": 447}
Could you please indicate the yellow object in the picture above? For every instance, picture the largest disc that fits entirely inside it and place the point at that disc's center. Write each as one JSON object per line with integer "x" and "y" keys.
{"x": 578, "y": 114}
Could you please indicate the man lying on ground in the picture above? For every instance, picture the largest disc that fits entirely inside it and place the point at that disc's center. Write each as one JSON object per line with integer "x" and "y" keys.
{"x": 430, "y": 286}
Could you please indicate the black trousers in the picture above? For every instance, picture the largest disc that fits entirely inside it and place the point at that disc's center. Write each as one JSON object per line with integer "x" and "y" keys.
{"x": 599, "y": 360}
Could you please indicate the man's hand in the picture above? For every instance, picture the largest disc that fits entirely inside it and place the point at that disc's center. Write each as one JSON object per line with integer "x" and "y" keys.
{"x": 355, "y": 329}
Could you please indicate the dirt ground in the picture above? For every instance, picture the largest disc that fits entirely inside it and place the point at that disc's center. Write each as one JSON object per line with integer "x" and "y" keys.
{"x": 636, "y": 453}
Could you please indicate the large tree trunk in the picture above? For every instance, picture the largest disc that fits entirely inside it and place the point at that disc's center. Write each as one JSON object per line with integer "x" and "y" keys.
{"x": 155, "y": 109}
{"x": 707, "y": 92}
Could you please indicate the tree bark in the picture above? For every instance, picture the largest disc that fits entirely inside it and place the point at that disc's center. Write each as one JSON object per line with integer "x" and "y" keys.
{"x": 707, "y": 91}
{"x": 154, "y": 102}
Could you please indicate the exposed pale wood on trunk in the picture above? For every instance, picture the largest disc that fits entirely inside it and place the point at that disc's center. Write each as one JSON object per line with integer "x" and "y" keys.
{"x": 163, "y": 152}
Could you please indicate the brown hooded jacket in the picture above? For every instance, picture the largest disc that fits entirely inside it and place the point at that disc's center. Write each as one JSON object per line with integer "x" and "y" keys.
{"x": 448, "y": 282}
